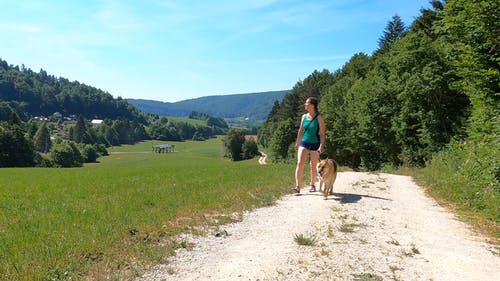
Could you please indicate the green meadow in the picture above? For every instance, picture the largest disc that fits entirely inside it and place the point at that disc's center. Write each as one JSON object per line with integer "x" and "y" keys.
{"x": 112, "y": 219}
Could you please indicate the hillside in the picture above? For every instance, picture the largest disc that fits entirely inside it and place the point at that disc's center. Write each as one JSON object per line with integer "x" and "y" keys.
{"x": 255, "y": 106}
{"x": 33, "y": 93}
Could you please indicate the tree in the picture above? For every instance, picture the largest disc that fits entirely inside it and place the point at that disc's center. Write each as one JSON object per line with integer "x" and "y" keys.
{"x": 233, "y": 143}
{"x": 42, "y": 140}
{"x": 198, "y": 136}
{"x": 66, "y": 154}
{"x": 123, "y": 129}
{"x": 32, "y": 127}
{"x": 79, "y": 132}
{"x": 108, "y": 134}
{"x": 393, "y": 31}
{"x": 89, "y": 153}
{"x": 431, "y": 110}
{"x": 472, "y": 31}
{"x": 249, "y": 149}
{"x": 15, "y": 119}
{"x": 5, "y": 111}
{"x": 273, "y": 132}
{"x": 282, "y": 137}
{"x": 15, "y": 149}
{"x": 339, "y": 107}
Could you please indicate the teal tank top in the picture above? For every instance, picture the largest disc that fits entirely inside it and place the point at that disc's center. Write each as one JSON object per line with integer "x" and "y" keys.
{"x": 311, "y": 132}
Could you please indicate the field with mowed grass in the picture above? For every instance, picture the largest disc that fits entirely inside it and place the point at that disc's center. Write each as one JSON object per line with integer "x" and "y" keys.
{"x": 114, "y": 218}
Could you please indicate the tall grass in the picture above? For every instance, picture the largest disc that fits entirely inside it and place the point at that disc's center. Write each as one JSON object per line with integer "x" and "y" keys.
{"x": 466, "y": 176}
{"x": 57, "y": 224}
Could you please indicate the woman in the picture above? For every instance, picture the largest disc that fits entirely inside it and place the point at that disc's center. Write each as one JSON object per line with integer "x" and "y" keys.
{"x": 310, "y": 141}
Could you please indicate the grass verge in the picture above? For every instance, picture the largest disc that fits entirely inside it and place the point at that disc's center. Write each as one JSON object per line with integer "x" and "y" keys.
{"x": 111, "y": 219}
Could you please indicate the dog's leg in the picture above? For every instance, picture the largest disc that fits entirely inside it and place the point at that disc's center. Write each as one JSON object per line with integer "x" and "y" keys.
{"x": 327, "y": 190}
{"x": 333, "y": 182}
{"x": 325, "y": 187}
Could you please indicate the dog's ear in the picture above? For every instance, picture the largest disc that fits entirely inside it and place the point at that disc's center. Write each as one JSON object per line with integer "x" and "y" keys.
{"x": 322, "y": 156}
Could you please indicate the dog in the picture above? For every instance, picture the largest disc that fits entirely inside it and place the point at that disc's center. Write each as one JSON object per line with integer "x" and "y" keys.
{"x": 327, "y": 173}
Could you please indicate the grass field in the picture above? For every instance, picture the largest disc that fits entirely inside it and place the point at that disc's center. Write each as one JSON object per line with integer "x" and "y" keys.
{"x": 105, "y": 220}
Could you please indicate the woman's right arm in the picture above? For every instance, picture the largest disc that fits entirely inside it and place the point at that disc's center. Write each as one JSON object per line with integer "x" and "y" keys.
{"x": 299, "y": 133}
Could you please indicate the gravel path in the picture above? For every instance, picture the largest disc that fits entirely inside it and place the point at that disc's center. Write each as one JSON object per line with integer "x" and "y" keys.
{"x": 375, "y": 227}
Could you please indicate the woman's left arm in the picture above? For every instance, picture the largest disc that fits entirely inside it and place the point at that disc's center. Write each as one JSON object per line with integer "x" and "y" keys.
{"x": 322, "y": 131}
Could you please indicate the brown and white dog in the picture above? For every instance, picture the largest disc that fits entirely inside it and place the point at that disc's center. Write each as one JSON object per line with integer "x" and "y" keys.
{"x": 327, "y": 173}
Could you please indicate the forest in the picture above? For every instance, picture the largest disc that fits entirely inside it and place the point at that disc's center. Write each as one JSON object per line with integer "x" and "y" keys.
{"x": 427, "y": 97}
{"x": 252, "y": 106}
{"x": 46, "y": 121}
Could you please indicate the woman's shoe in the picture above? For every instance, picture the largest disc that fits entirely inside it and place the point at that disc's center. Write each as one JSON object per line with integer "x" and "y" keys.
{"x": 313, "y": 188}
{"x": 296, "y": 189}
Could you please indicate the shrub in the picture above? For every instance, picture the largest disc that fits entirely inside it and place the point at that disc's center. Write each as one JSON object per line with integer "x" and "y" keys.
{"x": 249, "y": 149}
{"x": 43, "y": 160}
{"x": 233, "y": 143}
{"x": 66, "y": 154}
{"x": 89, "y": 153}
{"x": 197, "y": 136}
{"x": 101, "y": 149}
{"x": 467, "y": 173}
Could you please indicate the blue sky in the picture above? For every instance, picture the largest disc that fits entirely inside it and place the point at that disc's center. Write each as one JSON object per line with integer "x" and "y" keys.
{"x": 172, "y": 50}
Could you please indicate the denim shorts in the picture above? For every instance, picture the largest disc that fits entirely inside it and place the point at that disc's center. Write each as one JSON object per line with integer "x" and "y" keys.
{"x": 310, "y": 146}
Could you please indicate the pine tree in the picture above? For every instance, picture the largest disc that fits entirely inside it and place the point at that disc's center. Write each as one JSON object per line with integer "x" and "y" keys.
{"x": 393, "y": 31}
{"x": 79, "y": 132}
{"x": 42, "y": 139}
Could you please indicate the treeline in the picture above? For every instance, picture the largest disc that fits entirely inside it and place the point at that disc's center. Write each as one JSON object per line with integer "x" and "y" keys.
{"x": 39, "y": 94}
{"x": 423, "y": 87}
{"x": 163, "y": 128}
{"x": 39, "y": 143}
{"x": 428, "y": 96}
{"x": 30, "y": 144}
{"x": 238, "y": 145}
{"x": 253, "y": 106}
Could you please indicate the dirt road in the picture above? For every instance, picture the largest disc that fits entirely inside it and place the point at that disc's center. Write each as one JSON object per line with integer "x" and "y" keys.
{"x": 375, "y": 227}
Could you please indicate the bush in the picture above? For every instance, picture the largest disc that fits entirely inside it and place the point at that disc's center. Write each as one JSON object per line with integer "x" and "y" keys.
{"x": 101, "y": 149}
{"x": 66, "y": 154}
{"x": 233, "y": 143}
{"x": 467, "y": 174}
{"x": 89, "y": 153}
{"x": 15, "y": 149}
{"x": 249, "y": 149}
{"x": 43, "y": 160}
{"x": 281, "y": 140}
{"x": 198, "y": 136}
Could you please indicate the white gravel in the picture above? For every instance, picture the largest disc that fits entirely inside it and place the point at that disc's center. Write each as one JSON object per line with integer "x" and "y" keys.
{"x": 375, "y": 227}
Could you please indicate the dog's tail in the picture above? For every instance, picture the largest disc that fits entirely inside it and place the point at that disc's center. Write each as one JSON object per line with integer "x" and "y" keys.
{"x": 335, "y": 165}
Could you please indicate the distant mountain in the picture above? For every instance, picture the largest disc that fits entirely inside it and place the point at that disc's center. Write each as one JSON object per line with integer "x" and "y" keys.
{"x": 255, "y": 106}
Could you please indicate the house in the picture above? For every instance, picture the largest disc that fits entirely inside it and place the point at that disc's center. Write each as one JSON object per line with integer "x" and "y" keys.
{"x": 41, "y": 118}
{"x": 57, "y": 115}
{"x": 96, "y": 122}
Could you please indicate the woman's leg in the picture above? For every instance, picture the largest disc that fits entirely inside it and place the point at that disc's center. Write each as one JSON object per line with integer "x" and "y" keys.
{"x": 299, "y": 170}
{"x": 314, "y": 156}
